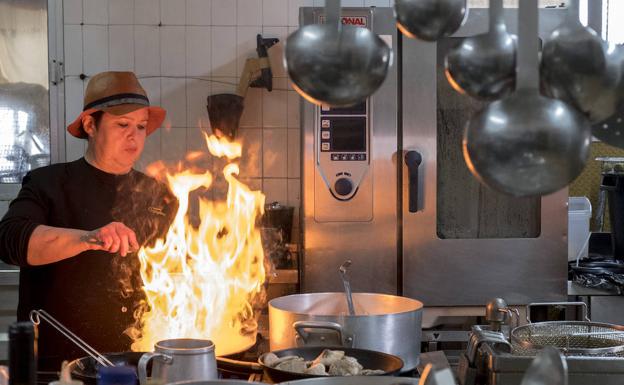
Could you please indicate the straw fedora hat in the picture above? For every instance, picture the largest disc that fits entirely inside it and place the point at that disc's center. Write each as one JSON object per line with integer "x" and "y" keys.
{"x": 117, "y": 93}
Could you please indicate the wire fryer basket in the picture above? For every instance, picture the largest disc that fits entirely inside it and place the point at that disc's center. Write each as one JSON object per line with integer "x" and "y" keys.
{"x": 576, "y": 338}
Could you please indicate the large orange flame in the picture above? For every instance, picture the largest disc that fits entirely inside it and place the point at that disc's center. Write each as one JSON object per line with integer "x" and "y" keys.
{"x": 200, "y": 281}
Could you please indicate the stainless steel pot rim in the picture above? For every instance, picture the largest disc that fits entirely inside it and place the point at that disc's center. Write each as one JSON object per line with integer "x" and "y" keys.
{"x": 407, "y": 305}
{"x": 185, "y": 346}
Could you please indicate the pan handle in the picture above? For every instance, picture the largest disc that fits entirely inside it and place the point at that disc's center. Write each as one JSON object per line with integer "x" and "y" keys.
{"x": 253, "y": 367}
{"x": 583, "y": 306}
{"x": 300, "y": 327}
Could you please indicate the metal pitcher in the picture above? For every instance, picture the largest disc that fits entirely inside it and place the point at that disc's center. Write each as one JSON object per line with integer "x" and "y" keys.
{"x": 180, "y": 359}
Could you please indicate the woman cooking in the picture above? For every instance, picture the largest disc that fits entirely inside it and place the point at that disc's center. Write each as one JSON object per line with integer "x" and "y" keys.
{"x": 73, "y": 227}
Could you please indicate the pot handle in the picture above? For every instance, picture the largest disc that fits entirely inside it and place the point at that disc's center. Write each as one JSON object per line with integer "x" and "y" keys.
{"x": 145, "y": 359}
{"x": 300, "y": 327}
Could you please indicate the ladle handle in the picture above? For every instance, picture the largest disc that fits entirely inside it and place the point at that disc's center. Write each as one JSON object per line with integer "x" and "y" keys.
{"x": 496, "y": 14}
{"x": 332, "y": 9}
{"x": 413, "y": 159}
{"x": 573, "y": 11}
{"x": 347, "y": 285}
{"x": 528, "y": 39}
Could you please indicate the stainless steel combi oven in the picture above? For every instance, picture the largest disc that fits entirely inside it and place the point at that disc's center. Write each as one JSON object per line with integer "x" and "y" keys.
{"x": 385, "y": 184}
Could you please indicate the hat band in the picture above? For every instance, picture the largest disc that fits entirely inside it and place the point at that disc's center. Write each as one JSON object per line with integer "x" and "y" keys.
{"x": 115, "y": 100}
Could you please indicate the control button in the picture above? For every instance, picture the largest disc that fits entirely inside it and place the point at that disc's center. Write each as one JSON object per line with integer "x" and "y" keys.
{"x": 343, "y": 186}
{"x": 344, "y": 156}
{"x": 325, "y": 134}
{"x": 361, "y": 157}
{"x": 352, "y": 156}
{"x": 335, "y": 156}
{"x": 325, "y": 146}
{"x": 325, "y": 123}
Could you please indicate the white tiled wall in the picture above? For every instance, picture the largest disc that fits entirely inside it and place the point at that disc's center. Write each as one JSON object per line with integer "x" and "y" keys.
{"x": 183, "y": 51}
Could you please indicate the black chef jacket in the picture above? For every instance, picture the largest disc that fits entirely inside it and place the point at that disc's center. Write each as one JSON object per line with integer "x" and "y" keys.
{"x": 94, "y": 293}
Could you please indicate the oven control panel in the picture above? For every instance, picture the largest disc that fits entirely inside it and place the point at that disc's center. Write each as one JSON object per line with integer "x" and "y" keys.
{"x": 343, "y": 148}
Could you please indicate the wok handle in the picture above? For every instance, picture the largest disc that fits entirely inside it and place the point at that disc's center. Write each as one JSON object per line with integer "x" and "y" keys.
{"x": 300, "y": 327}
{"x": 583, "y": 306}
{"x": 413, "y": 159}
{"x": 145, "y": 359}
{"x": 251, "y": 366}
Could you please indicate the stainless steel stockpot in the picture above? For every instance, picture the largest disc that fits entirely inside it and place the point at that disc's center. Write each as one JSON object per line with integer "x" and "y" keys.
{"x": 385, "y": 323}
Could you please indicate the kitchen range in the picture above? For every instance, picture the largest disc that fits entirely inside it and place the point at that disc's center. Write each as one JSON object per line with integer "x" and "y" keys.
{"x": 431, "y": 246}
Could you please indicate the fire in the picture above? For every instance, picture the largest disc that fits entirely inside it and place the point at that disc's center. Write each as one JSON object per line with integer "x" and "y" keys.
{"x": 200, "y": 281}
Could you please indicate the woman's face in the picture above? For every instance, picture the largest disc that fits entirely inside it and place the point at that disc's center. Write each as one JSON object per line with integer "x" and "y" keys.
{"x": 117, "y": 142}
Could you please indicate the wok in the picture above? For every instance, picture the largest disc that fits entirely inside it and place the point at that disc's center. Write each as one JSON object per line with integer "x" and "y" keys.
{"x": 369, "y": 359}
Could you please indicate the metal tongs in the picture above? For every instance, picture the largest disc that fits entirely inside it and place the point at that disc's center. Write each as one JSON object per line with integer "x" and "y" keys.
{"x": 37, "y": 315}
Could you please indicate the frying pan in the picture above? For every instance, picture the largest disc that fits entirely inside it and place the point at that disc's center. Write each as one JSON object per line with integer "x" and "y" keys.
{"x": 369, "y": 359}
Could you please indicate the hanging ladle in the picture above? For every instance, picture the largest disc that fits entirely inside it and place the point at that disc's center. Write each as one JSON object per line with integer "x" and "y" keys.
{"x": 581, "y": 69}
{"x": 549, "y": 367}
{"x": 611, "y": 130}
{"x": 335, "y": 64}
{"x": 347, "y": 285}
{"x": 429, "y": 20}
{"x": 484, "y": 66}
{"x": 527, "y": 144}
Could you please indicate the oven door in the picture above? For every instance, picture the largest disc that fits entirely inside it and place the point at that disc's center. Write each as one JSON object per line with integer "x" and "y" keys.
{"x": 463, "y": 243}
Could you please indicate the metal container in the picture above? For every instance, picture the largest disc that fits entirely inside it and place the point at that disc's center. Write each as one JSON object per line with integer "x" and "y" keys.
{"x": 382, "y": 322}
{"x": 180, "y": 360}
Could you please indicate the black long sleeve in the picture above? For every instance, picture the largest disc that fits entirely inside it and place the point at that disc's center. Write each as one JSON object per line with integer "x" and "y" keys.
{"x": 26, "y": 212}
{"x": 93, "y": 293}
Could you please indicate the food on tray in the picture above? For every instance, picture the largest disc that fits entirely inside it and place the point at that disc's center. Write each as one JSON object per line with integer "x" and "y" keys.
{"x": 328, "y": 363}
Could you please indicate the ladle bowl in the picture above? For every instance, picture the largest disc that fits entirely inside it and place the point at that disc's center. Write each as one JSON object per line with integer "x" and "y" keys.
{"x": 580, "y": 68}
{"x": 549, "y": 367}
{"x": 430, "y": 20}
{"x": 337, "y": 68}
{"x": 526, "y": 144}
{"x": 484, "y": 66}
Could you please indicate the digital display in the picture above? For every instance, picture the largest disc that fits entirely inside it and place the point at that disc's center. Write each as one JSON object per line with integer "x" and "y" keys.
{"x": 358, "y": 109}
{"x": 348, "y": 134}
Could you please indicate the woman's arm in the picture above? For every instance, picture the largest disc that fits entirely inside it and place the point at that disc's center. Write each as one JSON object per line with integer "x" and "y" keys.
{"x": 52, "y": 244}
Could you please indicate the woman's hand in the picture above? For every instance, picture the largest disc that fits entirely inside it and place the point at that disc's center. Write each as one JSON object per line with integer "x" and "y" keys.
{"x": 114, "y": 237}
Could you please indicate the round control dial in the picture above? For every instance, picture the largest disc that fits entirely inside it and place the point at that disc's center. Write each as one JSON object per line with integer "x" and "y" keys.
{"x": 343, "y": 186}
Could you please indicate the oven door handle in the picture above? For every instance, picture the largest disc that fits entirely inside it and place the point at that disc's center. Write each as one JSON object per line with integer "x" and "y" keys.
{"x": 413, "y": 159}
